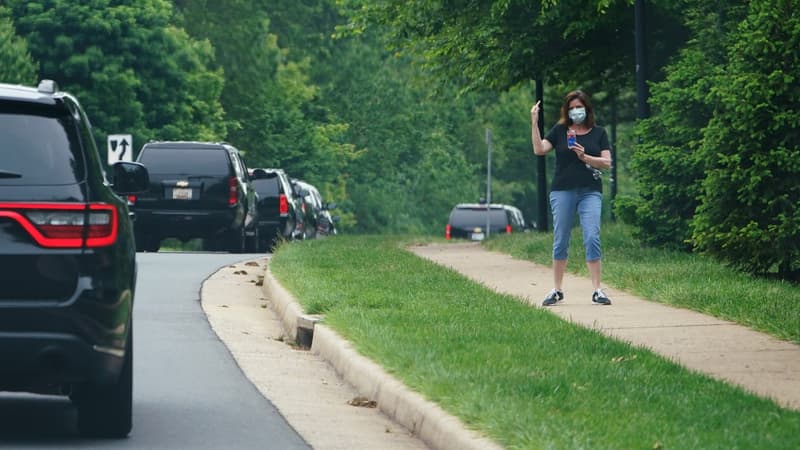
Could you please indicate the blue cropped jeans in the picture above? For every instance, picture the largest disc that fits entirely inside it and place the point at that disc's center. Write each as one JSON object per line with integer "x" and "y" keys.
{"x": 588, "y": 205}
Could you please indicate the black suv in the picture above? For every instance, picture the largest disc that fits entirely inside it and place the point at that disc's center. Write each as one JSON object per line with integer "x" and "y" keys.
{"x": 469, "y": 220}
{"x": 279, "y": 210}
{"x": 197, "y": 190}
{"x": 68, "y": 260}
{"x": 325, "y": 222}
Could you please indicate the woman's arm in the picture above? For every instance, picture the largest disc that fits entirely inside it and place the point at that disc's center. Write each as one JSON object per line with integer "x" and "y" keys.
{"x": 540, "y": 146}
{"x": 598, "y": 162}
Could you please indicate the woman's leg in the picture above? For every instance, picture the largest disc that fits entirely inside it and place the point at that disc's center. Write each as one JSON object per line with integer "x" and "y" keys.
{"x": 559, "y": 266}
{"x": 594, "y": 270}
{"x": 563, "y": 205}
{"x": 590, "y": 207}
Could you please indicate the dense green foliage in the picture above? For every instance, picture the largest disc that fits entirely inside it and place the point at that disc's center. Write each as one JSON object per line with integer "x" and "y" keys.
{"x": 668, "y": 167}
{"x": 16, "y": 64}
{"x": 716, "y": 161}
{"x": 132, "y": 69}
{"x": 268, "y": 97}
{"x": 517, "y": 374}
{"x": 749, "y": 212}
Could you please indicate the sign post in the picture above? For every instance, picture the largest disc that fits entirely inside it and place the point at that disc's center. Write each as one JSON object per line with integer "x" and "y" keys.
{"x": 120, "y": 148}
{"x": 488, "y": 181}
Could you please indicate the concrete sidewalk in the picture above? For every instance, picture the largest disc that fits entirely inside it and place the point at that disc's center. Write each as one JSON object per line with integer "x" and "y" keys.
{"x": 755, "y": 361}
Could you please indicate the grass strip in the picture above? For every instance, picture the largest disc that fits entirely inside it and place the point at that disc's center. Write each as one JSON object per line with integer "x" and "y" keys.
{"x": 520, "y": 375}
{"x": 686, "y": 280}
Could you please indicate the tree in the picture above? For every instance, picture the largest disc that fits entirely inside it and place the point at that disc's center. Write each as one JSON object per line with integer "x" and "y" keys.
{"x": 668, "y": 166}
{"x": 498, "y": 44}
{"x": 270, "y": 100}
{"x": 749, "y": 211}
{"x": 410, "y": 167}
{"x": 132, "y": 70}
{"x": 16, "y": 64}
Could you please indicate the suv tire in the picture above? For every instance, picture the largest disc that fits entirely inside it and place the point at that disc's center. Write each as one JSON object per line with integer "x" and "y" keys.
{"x": 237, "y": 240}
{"x": 106, "y": 411}
{"x": 252, "y": 243}
{"x": 147, "y": 243}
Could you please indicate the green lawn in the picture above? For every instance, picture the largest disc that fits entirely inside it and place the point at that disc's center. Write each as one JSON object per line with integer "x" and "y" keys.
{"x": 519, "y": 374}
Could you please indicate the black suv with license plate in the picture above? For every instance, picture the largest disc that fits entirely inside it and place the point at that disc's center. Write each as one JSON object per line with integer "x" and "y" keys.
{"x": 197, "y": 190}
{"x": 68, "y": 260}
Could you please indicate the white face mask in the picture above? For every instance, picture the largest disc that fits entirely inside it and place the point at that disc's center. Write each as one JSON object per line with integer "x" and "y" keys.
{"x": 577, "y": 115}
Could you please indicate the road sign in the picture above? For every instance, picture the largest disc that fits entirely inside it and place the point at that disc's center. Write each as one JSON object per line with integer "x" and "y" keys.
{"x": 120, "y": 148}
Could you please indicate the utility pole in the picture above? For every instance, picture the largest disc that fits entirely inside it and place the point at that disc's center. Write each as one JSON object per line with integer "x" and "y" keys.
{"x": 613, "y": 152}
{"x": 640, "y": 30}
{"x": 541, "y": 166}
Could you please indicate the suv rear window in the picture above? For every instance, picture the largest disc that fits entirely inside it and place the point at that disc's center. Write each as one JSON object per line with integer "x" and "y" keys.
{"x": 164, "y": 160}
{"x": 471, "y": 218}
{"x": 268, "y": 187}
{"x": 39, "y": 146}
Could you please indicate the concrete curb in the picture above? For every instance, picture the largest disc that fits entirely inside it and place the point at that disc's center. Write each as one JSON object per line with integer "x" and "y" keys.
{"x": 438, "y": 429}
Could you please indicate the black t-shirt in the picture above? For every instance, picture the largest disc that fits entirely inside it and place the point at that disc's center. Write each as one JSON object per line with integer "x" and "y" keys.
{"x": 571, "y": 172}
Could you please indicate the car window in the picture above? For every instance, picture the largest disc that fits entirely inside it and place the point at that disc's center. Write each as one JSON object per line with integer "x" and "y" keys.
{"x": 469, "y": 217}
{"x": 317, "y": 198}
{"x": 237, "y": 165}
{"x": 286, "y": 187}
{"x": 267, "y": 187}
{"x": 39, "y": 146}
{"x": 165, "y": 160}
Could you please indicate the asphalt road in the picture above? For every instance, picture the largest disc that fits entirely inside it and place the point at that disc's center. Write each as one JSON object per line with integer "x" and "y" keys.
{"x": 189, "y": 393}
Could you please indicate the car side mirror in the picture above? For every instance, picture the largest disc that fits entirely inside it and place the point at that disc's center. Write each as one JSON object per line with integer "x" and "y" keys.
{"x": 129, "y": 177}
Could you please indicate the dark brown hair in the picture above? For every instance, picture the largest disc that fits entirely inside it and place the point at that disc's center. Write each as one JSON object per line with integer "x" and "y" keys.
{"x": 587, "y": 103}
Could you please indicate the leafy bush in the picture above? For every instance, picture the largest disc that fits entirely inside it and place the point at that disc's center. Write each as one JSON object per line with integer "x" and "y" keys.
{"x": 666, "y": 163}
{"x": 749, "y": 212}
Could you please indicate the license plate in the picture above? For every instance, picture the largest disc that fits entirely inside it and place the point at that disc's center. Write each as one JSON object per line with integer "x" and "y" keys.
{"x": 181, "y": 194}
{"x": 477, "y": 236}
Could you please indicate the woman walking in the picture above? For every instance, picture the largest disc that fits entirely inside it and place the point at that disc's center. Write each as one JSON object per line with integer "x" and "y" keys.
{"x": 582, "y": 149}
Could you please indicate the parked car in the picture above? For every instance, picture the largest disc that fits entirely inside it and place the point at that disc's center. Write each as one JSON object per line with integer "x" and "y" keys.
{"x": 280, "y": 215}
{"x": 317, "y": 211}
{"x": 197, "y": 190}
{"x": 68, "y": 260}
{"x": 306, "y": 208}
{"x": 469, "y": 220}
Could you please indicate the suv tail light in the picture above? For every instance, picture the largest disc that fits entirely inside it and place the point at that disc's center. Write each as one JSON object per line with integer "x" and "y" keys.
{"x": 508, "y": 229}
{"x": 283, "y": 205}
{"x": 65, "y": 225}
{"x": 233, "y": 191}
{"x": 131, "y": 200}
{"x": 447, "y": 229}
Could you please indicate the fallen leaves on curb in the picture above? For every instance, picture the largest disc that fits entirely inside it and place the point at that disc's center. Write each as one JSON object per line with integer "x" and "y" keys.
{"x": 251, "y": 263}
{"x": 363, "y": 402}
{"x": 240, "y": 272}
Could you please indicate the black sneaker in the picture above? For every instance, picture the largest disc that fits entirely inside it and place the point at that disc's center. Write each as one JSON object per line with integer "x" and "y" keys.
{"x": 553, "y": 298}
{"x": 600, "y": 298}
